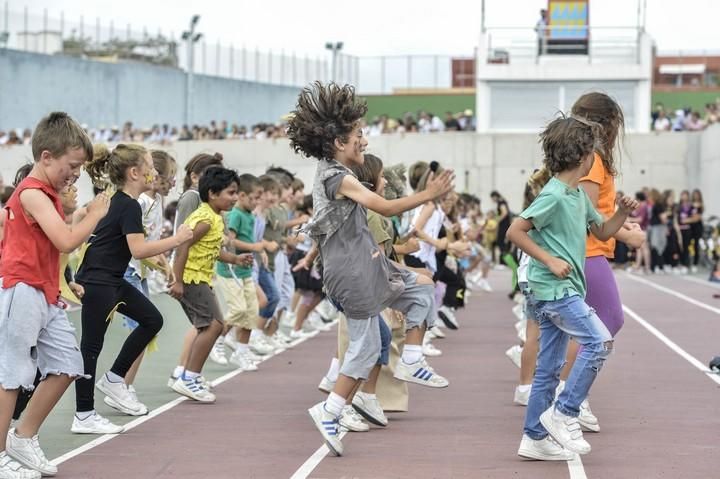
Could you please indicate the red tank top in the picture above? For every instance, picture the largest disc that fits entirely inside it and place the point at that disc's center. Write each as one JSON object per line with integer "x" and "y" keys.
{"x": 28, "y": 255}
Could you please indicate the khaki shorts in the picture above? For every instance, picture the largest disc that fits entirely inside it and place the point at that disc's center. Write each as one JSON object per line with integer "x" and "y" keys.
{"x": 200, "y": 304}
{"x": 240, "y": 298}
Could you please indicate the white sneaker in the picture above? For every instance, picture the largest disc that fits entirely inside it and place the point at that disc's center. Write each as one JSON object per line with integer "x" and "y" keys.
{"x": 194, "y": 389}
{"x": 217, "y": 353}
{"x": 206, "y": 384}
{"x": 329, "y": 427}
{"x": 438, "y": 332}
{"x": 327, "y": 310}
{"x": 288, "y": 320}
{"x": 317, "y": 322}
{"x": 296, "y": 334}
{"x": 447, "y": 315}
{"x": 284, "y": 337}
{"x": 428, "y": 349}
{"x": 243, "y": 362}
{"x": 693, "y": 269}
{"x": 351, "y": 421}
{"x": 326, "y": 385}
{"x": 565, "y": 430}
{"x": 514, "y": 354}
{"x": 171, "y": 381}
{"x": 369, "y": 408}
{"x": 521, "y": 397}
{"x": 95, "y": 424}
{"x": 419, "y": 373}
{"x": 11, "y": 469}
{"x": 277, "y": 345}
{"x": 519, "y": 311}
{"x": 230, "y": 340}
{"x": 113, "y": 404}
{"x": 254, "y": 357}
{"x": 27, "y": 452}
{"x": 588, "y": 421}
{"x": 484, "y": 285}
{"x": 547, "y": 449}
{"x": 259, "y": 346}
{"x": 119, "y": 393}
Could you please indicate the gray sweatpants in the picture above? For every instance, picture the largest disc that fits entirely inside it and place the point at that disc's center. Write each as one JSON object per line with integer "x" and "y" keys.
{"x": 417, "y": 302}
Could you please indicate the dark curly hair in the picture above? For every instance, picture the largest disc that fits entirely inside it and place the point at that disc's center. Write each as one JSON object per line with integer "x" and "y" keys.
{"x": 323, "y": 114}
{"x": 566, "y": 142}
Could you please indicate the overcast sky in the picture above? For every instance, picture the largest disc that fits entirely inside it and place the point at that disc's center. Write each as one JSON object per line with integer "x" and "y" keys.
{"x": 380, "y": 27}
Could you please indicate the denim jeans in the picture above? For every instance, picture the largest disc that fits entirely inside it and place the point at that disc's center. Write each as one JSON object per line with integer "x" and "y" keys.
{"x": 560, "y": 320}
{"x": 266, "y": 281}
{"x": 141, "y": 284}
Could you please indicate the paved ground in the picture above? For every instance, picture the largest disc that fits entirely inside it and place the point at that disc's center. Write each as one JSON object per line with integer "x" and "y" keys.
{"x": 658, "y": 411}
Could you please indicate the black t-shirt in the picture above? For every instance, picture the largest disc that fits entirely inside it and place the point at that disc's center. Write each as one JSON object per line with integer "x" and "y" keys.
{"x": 108, "y": 253}
{"x": 657, "y": 210}
{"x": 505, "y": 223}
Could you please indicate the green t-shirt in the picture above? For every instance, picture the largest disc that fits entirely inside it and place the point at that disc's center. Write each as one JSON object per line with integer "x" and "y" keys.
{"x": 275, "y": 230}
{"x": 381, "y": 230}
{"x": 561, "y": 217}
{"x": 242, "y": 223}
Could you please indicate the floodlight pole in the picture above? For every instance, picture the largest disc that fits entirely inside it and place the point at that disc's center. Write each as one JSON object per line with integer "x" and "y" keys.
{"x": 335, "y": 49}
{"x": 191, "y": 38}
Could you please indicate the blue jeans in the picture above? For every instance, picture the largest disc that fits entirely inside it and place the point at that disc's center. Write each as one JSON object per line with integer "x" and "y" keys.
{"x": 132, "y": 277}
{"x": 266, "y": 281}
{"x": 559, "y": 321}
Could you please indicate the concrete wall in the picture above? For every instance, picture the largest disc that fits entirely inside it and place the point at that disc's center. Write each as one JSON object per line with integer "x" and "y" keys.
{"x": 482, "y": 162}
{"x": 108, "y": 94}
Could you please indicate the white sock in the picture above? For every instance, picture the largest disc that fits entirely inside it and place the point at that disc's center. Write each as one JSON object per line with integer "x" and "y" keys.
{"x": 335, "y": 404}
{"x": 189, "y": 375}
{"x": 334, "y": 370}
{"x": 82, "y": 415}
{"x": 523, "y": 388}
{"x": 114, "y": 378}
{"x": 178, "y": 371}
{"x": 412, "y": 353}
{"x": 242, "y": 348}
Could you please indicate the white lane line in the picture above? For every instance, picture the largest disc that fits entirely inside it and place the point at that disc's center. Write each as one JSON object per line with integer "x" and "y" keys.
{"x": 672, "y": 345}
{"x": 576, "y": 468}
{"x": 704, "y": 282}
{"x": 672, "y": 292}
{"x": 313, "y": 461}
{"x": 156, "y": 412}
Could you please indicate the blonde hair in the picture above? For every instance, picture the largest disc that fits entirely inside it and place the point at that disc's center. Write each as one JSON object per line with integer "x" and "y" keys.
{"x": 535, "y": 184}
{"x": 108, "y": 167}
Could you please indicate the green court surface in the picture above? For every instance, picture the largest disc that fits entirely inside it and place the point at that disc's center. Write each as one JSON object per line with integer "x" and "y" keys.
{"x": 55, "y": 436}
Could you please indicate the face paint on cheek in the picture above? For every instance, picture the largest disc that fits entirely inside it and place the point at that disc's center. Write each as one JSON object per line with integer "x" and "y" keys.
{"x": 149, "y": 178}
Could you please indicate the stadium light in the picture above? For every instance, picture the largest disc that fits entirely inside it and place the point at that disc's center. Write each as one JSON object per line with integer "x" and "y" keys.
{"x": 191, "y": 38}
{"x": 335, "y": 50}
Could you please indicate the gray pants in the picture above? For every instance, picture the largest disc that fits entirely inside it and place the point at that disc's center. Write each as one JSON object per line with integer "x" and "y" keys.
{"x": 417, "y": 302}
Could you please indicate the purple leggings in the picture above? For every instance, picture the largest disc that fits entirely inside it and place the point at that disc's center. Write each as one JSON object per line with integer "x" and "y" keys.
{"x": 602, "y": 293}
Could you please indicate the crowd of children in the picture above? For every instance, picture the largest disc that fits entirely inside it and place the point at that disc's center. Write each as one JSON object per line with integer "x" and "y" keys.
{"x": 256, "y": 265}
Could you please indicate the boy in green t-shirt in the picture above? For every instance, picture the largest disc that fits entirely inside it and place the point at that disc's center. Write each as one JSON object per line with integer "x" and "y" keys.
{"x": 553, "y": 231}
{"x": 236, "y": 283}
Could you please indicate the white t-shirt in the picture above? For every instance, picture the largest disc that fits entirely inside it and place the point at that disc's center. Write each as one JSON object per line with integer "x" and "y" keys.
{"x": 523, "y": 267}
{"x": 661, "y": 124}
{"x": 426, "y": 254}
{"x": 153, "y": 220}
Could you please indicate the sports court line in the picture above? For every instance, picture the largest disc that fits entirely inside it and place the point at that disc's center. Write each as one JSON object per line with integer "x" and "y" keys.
{"x": 704, "y": 282}
{"x": 313, "y": 461}
{"x": 672, "y": 345}
{"x": 164, "y": 408}
{"x": 576, "y": 468}
{"x": 672, "y": 292}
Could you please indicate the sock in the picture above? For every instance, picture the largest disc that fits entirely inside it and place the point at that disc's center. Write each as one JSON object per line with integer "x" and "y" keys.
{"x": 82, "y": 415}
{"x": 335, "y": 404}
{"x": 523, "y": 388}
{"x": 113, "y": 378}
{"x": 334, "y": 370}
{"x": 189, "y": 375}
{"x": 178, "y": 371}
{"x": 412, "y": 353}
{"x": 242, "y": 348}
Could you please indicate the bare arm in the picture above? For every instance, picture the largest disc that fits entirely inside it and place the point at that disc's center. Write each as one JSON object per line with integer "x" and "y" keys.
{"x": 436, "y": 187}
{"x": 606, "y": 230}
{"x": 65, "y": 238}
{"x": 631, "y": 236}
{"x": 142, "y": 249}
{"x": 518, "y": 234}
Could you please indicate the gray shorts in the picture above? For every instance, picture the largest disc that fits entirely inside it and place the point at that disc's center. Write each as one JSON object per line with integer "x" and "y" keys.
{"x": 417, "y": 302}
{"x": 200, "y": 304}
{"x": 363, "y": 349}
{"x": 34, "y": 335}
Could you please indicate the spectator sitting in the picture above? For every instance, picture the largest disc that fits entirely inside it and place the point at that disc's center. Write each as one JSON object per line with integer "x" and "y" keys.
{"x": 694, "y": 123}
{"x": 661, "y": 123}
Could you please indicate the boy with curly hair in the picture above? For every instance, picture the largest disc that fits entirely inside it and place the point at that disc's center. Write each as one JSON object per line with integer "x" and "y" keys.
{"x": 357, "y": 276}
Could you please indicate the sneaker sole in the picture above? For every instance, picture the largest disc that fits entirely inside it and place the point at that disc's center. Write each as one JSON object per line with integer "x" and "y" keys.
{"x": 89, "y": 431}
{"x": 532, "y": 455}
{"x": 545, "y": 423}
{"x": 101, "y": 388}
{"x": 448, "y": 324}
{"x": 367, "y": 416}
{"x": 421, "y": 382}
{"x": 589, "y": 427}
{"x": 113, "y": 404}
{"x": 327, "y": 443}
{"x": 190, "y": 396}
{"x": 43, "y": 472}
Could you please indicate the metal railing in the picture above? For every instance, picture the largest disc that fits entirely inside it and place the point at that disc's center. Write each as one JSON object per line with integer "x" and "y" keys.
{"x": 528, "y": 45}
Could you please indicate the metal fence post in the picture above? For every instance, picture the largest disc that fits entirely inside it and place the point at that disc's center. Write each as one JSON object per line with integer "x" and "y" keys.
{"x": 25, "y": 26}
{"x": 244, "y": 63}
{"x": 232, "y": 60}
{"x": 45, "y": 29}
{"x": 217, "y": 59}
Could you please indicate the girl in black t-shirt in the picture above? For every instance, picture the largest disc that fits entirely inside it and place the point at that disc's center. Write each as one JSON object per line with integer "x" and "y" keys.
{"x": 117, "y": 238}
